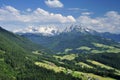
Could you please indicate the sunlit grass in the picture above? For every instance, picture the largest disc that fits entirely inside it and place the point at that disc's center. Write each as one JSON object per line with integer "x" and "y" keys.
{"x": 98, "y": 77}
{"x": 104, "y": 66}
{"x": 50, "y": 67}
{"x": 100, "y": 64}
{"x": 67, "y": 50}
{"x": 60, "y": 69}
{"x": 97, "y": 51}
{"x": 84, "y": 48}
{"x": 36, "y": 52}
{"x": 57, "y": 69}
{"x": 106, "y": 47}
{"x": 67, "y": 57}
{"x": 84, "y": 65}
{"x": 114, "y": 50}
{"x": 1, "y": 59}
{"x": 103, "y": 46}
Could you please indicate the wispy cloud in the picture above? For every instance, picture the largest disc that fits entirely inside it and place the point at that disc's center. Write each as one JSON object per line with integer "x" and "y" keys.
{"x": 54, "y": 3}
{"x": 110, "y": 22}
{"x": 86, "y": 13}
{"x": 77, "y": 9}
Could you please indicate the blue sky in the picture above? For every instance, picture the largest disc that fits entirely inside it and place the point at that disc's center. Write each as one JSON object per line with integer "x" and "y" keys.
{"x": 99, "y": 7}
{"x": 95, "y": 14}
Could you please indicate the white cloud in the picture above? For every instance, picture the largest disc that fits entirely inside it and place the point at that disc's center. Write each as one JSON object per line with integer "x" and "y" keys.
{"x": 86, "y": 13}
{"x": 10, "y": 14}
{"x": 77, "y": 9}
{"x": 73, "y": 8}
{"x": 44, "y": 29}
{"x": 40, "y": 11}
{"x": 11, "y": 18}
{"x": 54, "y": 3}
{"x": 110, "y": 22}
{"x": 12, "y": 10}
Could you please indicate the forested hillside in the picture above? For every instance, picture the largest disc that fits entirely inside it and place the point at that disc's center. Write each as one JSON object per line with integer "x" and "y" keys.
{"x": 17, "y": 62}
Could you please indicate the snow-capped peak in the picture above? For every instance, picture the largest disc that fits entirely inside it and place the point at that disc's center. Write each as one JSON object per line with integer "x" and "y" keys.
{"x": 78, "y": 28}
{"x": 54, "y": 30}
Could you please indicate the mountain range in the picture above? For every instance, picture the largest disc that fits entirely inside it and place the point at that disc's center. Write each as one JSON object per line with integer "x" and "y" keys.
{"x": 72, "y": 38}
{"x": 52, "y": 31}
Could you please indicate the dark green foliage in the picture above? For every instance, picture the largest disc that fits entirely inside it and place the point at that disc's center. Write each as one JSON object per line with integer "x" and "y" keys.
{"x": 17, "y": 60}
{"x": 110, "y": 59}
